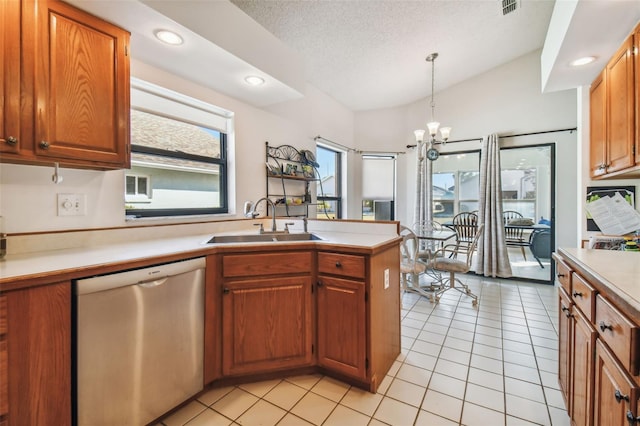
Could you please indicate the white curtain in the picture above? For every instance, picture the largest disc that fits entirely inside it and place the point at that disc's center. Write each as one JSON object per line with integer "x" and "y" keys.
{"x": 493, "y": 259}
{"x": 424, "y": 187}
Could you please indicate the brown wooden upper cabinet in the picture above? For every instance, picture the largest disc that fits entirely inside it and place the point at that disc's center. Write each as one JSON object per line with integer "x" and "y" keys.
{"x": 10, "y": 15}
{"x": 636, "y": 51}
{"x": 74, "y": 93}
{"x": 614, "y": 121}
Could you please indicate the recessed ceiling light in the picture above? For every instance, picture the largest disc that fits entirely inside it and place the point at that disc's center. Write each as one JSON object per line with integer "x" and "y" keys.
{"x": 582, "y": 61}
{"x": 169, "y": 37}
{"x": 254, "y": 80}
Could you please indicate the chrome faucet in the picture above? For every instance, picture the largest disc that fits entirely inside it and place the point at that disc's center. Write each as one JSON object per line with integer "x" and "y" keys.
{"x": 250, "y": 211}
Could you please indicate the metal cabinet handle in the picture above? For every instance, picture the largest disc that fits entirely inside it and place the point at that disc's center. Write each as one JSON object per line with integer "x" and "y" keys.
{"x": 225, "y": 290}
{"x": 604, "y": 326}
{"x": 620, "y": 397}
{"x": 12, "y": 140}
{"x": 338, "y": 265}
{"x": 561, "y": 275}
{"x": 577, "y": 294}
{"x": 631, "y": 418}
{"x": 320, "y": 284}
{"x": 565, "y": 309}
{"x": 44, "y": 144}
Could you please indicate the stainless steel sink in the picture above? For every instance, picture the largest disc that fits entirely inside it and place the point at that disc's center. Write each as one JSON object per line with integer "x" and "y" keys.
{"x": 257, "y": 238}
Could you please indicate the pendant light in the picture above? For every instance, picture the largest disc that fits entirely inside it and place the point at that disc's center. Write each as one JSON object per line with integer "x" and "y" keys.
{"x": 433, "y": 125}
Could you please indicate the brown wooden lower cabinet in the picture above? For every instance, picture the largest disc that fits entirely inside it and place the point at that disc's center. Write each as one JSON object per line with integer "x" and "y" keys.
{"x": 342, "y": 326}
{"x": 616, "y": 395}
{"x": 39, "y": 355}
{"x": 266, "y": 324}
{"x": 582, "y": 353}
{"x": 565, "y": 325}
{"x": 598, "y": 350}
{"x": 328, "y": 311}
{"x": 4, "y": 370}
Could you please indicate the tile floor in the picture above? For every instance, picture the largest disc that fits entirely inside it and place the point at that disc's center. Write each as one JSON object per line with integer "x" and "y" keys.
{"x": 495, "y": 365}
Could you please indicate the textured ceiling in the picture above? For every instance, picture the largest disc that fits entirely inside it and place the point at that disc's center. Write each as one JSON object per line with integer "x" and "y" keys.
{"x": 370, "y": 54}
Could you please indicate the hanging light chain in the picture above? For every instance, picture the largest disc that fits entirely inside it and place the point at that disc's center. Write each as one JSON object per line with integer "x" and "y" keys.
{"x": 432, "y": 58}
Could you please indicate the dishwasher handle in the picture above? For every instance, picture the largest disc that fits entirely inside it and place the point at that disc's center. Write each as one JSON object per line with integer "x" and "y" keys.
{"x": 153, "y": 282}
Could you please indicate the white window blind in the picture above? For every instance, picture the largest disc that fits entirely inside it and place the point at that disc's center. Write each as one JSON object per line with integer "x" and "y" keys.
{"x": 378, "y": 178}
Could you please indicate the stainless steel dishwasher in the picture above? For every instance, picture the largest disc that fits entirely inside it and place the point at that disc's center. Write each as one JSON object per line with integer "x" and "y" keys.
{"x": 139, "y": 342}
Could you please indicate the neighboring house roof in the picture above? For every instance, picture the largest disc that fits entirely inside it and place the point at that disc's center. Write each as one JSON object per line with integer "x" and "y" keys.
{"x": 155, "y": 131}
{"x": 165, "y": 133}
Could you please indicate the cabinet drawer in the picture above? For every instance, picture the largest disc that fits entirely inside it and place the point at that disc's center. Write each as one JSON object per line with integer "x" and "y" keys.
{"x": 341, "y": 264}
{"x": 246, "y": 265}
{"x": 619, "y": 333}
{"x": 583, "y": 295}
{"x": 564, "y": 275}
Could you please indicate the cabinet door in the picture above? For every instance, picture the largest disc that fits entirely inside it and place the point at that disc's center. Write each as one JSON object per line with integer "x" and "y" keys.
{"x": 582, "y": 357}
{"x": 81, "y": 87}
{"x": 266, "y": 324}
{"x": 615, "y": 394}
{"x": 565, "y": 332}
{"x": 39, "y": 354}
{"x": 636, "y": 49}
{"x": 620, "y": 109}
{"x": 598, "y": 126}
{"x": 342, "y": 326}
{"x": 4, "y": 389}
{"x": 10, "y": 15}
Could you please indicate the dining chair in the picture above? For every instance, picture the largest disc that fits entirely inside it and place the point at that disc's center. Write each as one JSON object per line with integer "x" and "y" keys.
{"x": 514, "y": 236}
{"x": 465, "y": 225}
{"x": 540, "y": 245}
{"x": 456, "y": 265}
{"x": 411, "y": 268}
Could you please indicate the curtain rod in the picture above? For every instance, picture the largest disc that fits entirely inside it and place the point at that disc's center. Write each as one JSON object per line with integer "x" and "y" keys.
{"x": 317, "y": 138}
{"x": 571, "y": 129}
{"x": 357, "y": 151}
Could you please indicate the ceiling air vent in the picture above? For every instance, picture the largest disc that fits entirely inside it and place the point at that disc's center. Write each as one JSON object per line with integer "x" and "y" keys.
{"x": 509, "y": 6}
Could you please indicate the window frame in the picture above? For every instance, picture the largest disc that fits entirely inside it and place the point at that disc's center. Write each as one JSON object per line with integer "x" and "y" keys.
{"x": 338, "y": 178}
{"x": 149, "y": 95}
{"x": 138, "y": 196}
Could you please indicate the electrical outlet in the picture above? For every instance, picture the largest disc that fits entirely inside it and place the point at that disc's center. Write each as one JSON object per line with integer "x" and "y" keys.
{"x": 72, "y": 204}
{"x": 386, "y": 278}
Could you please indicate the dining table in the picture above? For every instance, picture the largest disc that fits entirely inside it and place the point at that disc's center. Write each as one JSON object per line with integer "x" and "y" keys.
{"x": 430, "y": 241}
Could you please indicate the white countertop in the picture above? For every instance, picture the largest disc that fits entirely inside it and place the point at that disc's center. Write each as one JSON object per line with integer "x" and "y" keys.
{"x": 618, "y": 270}
{"x": 57, "y": 261}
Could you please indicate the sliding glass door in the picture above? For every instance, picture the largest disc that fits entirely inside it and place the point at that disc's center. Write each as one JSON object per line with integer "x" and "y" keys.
{"x": 527, "y": 189}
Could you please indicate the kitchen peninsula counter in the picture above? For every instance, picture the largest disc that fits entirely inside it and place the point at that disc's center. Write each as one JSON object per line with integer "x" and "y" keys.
{"x": 33, "y": 268}
{"x": 339, "y": 298}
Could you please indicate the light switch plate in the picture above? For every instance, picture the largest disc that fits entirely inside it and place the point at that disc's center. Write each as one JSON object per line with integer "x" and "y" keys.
{"x": 386, "y": 278}
{"x": 72, "y": 204}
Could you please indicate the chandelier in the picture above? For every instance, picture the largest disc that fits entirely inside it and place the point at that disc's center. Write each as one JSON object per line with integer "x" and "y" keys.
{"x": 433, "y": 125}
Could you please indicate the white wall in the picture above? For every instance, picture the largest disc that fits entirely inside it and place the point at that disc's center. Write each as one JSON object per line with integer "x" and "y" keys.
{"x": 505, "y": 100}
{"x": 28, "y": 197}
